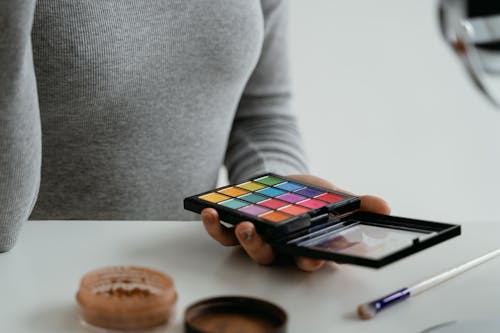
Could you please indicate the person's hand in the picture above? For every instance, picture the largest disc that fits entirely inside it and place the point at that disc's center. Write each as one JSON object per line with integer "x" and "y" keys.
{"x": 261, "y": 252}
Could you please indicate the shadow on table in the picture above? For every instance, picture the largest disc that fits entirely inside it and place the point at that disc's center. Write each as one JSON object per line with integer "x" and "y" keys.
{"x": 64, "y": 318}
{"x": 55, "y": 318}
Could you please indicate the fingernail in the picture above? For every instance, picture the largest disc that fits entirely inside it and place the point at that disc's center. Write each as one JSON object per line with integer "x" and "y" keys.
{"x": 247, "y": 234}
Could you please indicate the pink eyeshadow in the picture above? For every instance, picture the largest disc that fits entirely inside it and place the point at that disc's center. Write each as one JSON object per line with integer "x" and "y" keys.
{"x": 311, "y": 203}
{"x": 273, "y": 203}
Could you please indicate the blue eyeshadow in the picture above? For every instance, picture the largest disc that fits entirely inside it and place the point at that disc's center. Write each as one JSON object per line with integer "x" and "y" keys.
{"x": 271, "y": 192}
{"x": 289, "y": 186}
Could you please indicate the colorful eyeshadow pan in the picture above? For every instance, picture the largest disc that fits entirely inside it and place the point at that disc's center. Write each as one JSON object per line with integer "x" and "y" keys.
{"x": 294, "y": 210}
{"x": 254, "y": 210}
{"x": 234, "y": 203}
{"x": 291, "y": 197}
{"x": 289, "y": 186}
{"x": 309, "y": 192}
{"x": 272, "y": 192}
{"x": 233, "y": 191}
{"x": 275, "y": 216}
{"x": 214, "y": 197}
{"x": 311, "y": 203}
{"x": 273, "y": 203}
{"x": 252, "y": 186}
{"x": 269, "y": 180}
{"x": 330, "y": 197}
{"x": 252, "y": 197}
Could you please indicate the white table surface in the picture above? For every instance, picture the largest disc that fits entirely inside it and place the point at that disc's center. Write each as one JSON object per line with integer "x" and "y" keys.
{"x": 40, "y": 276}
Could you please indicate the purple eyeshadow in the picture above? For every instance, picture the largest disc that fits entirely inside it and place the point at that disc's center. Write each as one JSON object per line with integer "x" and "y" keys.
{"x": 254, "y": 210}
{"x": 309, "y": 192}
{"x": 291, "y": 197}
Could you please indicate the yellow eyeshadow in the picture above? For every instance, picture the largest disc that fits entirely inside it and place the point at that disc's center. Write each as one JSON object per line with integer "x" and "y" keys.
{"x": 214, "y": 197}
{"x": 233, "y": 191}
{"x": 252, "y": 186}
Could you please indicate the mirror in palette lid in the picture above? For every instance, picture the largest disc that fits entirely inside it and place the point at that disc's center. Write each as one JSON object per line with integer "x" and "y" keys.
{"x": 277, "y": 205}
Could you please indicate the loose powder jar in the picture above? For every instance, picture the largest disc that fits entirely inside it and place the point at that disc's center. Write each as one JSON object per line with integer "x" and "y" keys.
{"x": 126, "y": 298}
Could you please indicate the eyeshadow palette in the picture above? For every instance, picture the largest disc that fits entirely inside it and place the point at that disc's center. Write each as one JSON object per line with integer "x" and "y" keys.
{"x": 307, "y": 220}
{"x": 276, "y": 205}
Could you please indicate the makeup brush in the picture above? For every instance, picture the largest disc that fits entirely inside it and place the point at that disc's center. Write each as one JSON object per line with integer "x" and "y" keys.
{"x": 369, "y": 310}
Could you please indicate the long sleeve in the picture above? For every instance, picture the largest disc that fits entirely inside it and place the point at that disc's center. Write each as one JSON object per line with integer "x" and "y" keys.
{"x": 20, "y": 132}
{"x": 265, "y": 136}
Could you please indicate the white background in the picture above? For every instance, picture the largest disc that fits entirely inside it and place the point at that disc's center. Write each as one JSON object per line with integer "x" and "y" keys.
{"x": 385, "y": 108}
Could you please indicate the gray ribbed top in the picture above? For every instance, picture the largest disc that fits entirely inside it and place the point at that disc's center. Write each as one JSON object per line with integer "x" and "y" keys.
{"x": 125, "y": 107}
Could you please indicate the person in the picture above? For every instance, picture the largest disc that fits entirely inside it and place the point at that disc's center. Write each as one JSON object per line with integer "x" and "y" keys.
{"x": 117, "y": 110}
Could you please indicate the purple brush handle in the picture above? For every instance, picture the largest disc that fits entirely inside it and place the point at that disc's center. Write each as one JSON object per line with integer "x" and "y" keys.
{"x": 390, "y": 299}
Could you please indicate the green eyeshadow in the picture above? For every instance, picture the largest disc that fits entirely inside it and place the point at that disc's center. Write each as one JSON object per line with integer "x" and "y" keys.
{"x": 252, "y": 197}
{"x": 269, "y": 180}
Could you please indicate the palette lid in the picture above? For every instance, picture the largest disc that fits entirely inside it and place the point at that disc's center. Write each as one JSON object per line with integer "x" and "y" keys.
{"x": 366, "y": 239}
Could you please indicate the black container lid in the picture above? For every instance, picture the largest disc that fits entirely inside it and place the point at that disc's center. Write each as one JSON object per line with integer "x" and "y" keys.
{"x": 234, "y": 314}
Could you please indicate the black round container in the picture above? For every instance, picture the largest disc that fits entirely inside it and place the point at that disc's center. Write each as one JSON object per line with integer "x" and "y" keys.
{"x": 234, "y": 314}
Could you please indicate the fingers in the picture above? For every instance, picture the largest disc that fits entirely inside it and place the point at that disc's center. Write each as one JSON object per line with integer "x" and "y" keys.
{"x": 309, "y": 264}
{"x": 246, "y": 235}
{"x": 220, "y": 233}
{"x": 263, "y": 254}
{"x": 260, "y": 251}
{"x": 374, "y": 204}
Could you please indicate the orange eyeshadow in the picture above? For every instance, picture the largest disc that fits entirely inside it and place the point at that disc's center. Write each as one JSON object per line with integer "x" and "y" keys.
{"x": 294, "y": 210}
{"x": 233, "y": 191}
{"x": 275, "y": 216}
{"x": 214, "y": 197}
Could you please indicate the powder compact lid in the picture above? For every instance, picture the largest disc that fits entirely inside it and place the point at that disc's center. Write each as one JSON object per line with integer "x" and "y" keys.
{"x": 234, "y": 314}
{"x": 125, "y": 298}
